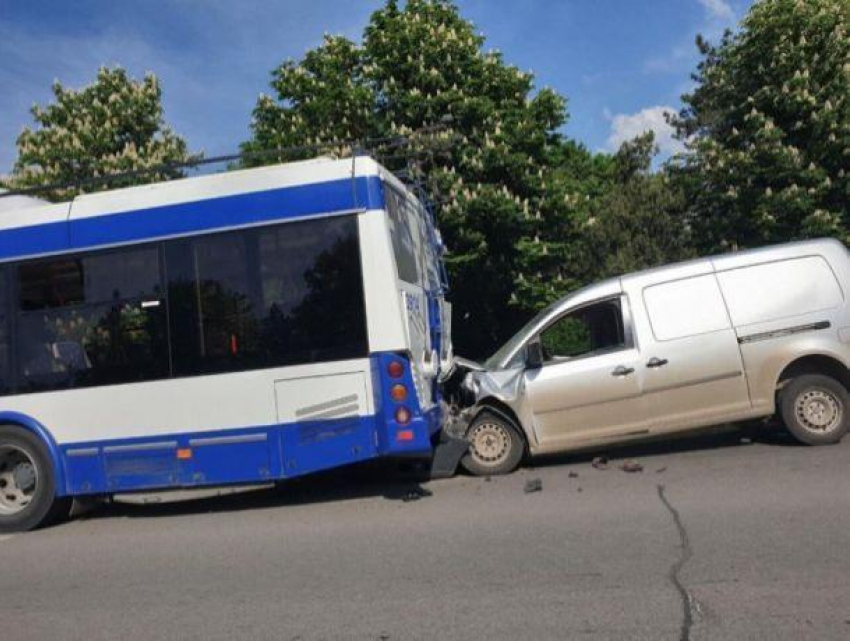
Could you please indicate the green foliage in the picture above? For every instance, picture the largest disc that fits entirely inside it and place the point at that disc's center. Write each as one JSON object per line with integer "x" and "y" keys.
{"x": 114, "y": 125}
{"x": 637, "y": 219}
{"x": 514, "y": 193}
{"x": 570, "y": 336}
{"x": 769, "y": 128}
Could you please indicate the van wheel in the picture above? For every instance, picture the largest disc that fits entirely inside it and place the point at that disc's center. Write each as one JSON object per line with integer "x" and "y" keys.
{"x": 27, "y": 484}
{"x": 815, "y": 409}
{"x": 495, "y": 446}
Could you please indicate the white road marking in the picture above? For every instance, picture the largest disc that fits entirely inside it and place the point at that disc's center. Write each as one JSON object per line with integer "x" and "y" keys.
{"x": 6, "y": 537}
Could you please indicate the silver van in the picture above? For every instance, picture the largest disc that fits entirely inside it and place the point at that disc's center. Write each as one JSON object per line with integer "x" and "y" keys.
{"x": 690, "y": 345}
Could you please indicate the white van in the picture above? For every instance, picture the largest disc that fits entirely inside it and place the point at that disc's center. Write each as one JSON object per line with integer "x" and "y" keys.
{"x": 695, "y": 344}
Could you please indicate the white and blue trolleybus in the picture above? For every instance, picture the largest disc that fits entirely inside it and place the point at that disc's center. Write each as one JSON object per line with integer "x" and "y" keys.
{"x": 237, "y": 328}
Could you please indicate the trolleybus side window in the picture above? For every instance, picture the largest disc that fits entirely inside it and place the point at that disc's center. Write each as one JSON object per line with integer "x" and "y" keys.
{"x": 268, "y": 297}
{"x": 91, "y": 320}
{"x": 404, "y": 245}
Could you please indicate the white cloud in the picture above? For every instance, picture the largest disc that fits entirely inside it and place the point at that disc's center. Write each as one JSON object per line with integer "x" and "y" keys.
{"x": 625, "y": 127}
{"x": 718, "y": 10}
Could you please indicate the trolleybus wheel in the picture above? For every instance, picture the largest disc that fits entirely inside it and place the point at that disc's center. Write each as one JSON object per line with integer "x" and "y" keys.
{"x": 27, "y": 483}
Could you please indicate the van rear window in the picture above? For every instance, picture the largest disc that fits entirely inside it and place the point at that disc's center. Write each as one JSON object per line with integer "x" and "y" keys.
{"x": 780, "y": 289}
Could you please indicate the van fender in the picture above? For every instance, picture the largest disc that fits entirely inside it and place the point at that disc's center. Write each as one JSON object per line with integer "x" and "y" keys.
{"x": 28, "y": 423}
{"x": 494, "y": 406}
{"x": 818, "y": 352}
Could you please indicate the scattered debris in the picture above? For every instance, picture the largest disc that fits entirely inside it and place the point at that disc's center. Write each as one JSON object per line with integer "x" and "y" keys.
{"x": 579, "y": 489}
{"x": 600, "y": 462}
{"x": 661, "y": 470}
{"x": 533, "y": 485}
{"x": 573, "y": 475}
{"x": 415, "y": 494}
{"x": 631, "y": 466}
{"x": 488, "y": 479}
{"x": 745, "y": 440}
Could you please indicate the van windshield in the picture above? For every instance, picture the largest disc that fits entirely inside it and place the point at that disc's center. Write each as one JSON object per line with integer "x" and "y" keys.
{"x": 495, "y": 361}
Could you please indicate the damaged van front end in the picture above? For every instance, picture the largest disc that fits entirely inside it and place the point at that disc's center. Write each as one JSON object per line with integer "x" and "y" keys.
{"x": 475, "y": 391}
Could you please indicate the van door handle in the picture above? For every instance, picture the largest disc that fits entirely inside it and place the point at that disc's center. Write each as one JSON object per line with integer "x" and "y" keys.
{"x": 622, "y": 370}
{"x": 657, "y": 362}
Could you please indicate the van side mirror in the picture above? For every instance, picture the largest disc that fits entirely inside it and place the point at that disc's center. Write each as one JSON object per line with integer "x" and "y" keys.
{"x": 534, "y": 354}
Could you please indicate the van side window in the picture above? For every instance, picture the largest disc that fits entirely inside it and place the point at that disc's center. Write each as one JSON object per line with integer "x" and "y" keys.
{"x": 784, "y": 288}
{"x": 686, "y": 307}
{"x": 591, "y": 329}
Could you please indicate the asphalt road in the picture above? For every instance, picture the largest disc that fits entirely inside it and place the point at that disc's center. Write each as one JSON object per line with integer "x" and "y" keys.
{"x": 714, "y": 539}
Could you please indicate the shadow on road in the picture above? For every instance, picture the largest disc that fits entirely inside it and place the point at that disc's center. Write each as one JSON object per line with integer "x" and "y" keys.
{"x": 720, "y": 437}
{"x": 388, "y": 479}
{"x": 403, "y": 482}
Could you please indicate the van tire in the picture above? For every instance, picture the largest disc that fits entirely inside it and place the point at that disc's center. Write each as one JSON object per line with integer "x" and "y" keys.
{"x": 25, "y": 459}
{"x": 815, "y": 409}
{"x": 495, "y": 446}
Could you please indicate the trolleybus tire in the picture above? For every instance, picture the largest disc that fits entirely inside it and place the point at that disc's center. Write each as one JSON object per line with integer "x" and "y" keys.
{"x": 27, "y": 483}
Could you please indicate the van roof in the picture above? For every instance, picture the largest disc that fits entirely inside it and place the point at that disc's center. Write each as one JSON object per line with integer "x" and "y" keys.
{"x": 743, "y": 257}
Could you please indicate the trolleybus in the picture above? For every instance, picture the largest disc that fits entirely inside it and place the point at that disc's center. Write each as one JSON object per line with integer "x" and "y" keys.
{"x": 237, "y": 328}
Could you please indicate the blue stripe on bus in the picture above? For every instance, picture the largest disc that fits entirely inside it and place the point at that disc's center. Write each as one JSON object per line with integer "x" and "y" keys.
{"x": 301, "y": 201}
{"x": 49, "y": 238}
{"x": 245, "y": 455}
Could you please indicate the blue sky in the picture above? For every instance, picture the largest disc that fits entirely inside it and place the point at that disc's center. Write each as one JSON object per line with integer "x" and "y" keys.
{"x": 620, "y": 63}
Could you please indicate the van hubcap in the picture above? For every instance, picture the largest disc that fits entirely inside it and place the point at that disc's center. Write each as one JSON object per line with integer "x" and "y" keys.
{"x": 818, "y": 410}
{"x": 491, "y": 443}
{"x": 18, "y": 480}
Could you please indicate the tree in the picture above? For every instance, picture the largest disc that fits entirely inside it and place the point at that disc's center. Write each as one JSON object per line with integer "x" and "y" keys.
{"x": 476, "y": 129}
{"x": 637, "y": 218}
{"x": 768, "y": 127}
{"x": 112, "y": 126}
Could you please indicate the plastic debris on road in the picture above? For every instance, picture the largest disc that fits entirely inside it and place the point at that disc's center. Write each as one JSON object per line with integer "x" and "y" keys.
{"x": 600, "y": 462}
{"x": 415, "y": 494}
{"x": 631, "y": 466}
{"x": 533, "y": 485}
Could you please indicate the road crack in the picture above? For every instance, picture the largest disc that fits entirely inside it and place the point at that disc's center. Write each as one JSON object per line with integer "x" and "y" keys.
{"x": 688, "y": 601}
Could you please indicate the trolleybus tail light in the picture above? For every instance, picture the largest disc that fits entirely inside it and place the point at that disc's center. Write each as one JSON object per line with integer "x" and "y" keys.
{"x": 402, "y": 416}
{"x": 398, "y": 392}
{"x": 395, "y": 369}
{"x": 405, "y": 435}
